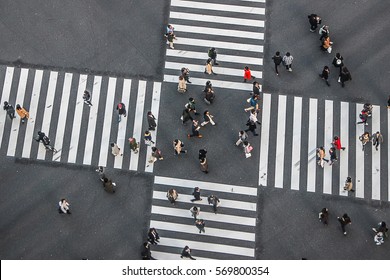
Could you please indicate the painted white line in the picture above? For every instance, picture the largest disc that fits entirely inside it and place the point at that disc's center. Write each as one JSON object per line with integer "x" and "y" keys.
{"x": 5, "y": 97}
{"x": 137, "y": 130}
{"x": 219, "y": 32}
{"x": 359, "y": 181}
{"x": 13, "y": 138}
{"x": 312, "y": 146}
{"x": 328, "y": 137}
{"x": 376, "y": 155}
{"x": 36, "y": 91}
{"x": 169, "y": 256}
{"x": 209, "y": 231}
{"x": 205, "y": 185}
{"x": 215, "y": 19}
{"x": 344, "y": 155}
{"x": 233, "y": 204}
{"x": 107, "y": 122}
{"x": 93, "y": 113}
{"x": 220, "y": 57}
{"x": 218, "y": 70}
{"x": 217, "y": 7}
{"x": 296, "y": 147}
{"x": 216, "y": 83}
{"x": 219, "y": 45}
{"x": 280, "y": 141}
{"x": 62, "y": 116}
{"x": 255, "y": 1}
{"x": 78, "y": 114}
{"x": 155, "y": 110}
{"x": 121, "y": 139}
{"x": 208, "y": 247}
{"x": 45, "y": 128}
{"x": 264, "y": 142}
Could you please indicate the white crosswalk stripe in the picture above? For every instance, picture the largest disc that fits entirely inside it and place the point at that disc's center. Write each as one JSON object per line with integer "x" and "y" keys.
{"x": 365, "y": 167}
{"x": 81, "y": 134}
{"x": 228, "y": 234}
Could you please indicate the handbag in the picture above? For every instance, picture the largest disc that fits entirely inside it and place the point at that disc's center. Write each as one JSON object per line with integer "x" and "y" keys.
{"x": 248, "y": 155}
{"x": 329, "y": 49}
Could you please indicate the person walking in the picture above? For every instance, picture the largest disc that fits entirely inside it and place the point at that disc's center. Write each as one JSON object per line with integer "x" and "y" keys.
{"x": 247, "y": 149}
{"x": 134, "y": 146}
{"x": 377, "y": 138}
{"x": 214, "y": 201}
{"x": 287, "y": 61}
{"x": 323, "y": 216}
{"x": 208, "y": 118}
{"x": 185, "y": 72}
{"x": 344, "y": 221}
{"x": 202, "y": 154}
{"x": 337, "y": 143}
{"x": 204, "y": 166}
{"x": 324, "y": 31}
{"x": 212, "y": 53}
{"x": 186, "y": 253}
{"x": 378, "y": 238}
{"x": 23, "y": 113}
{"x": 326, "y": 44}
{"x": 242, "y": 136}
{"x": 63, "y": 206}
{"x": 345, "y": 76}
{"x": 115, "y": 150}
{"x": 254, "y": 103}
{"x": 247, "y": 74}
{"x": 209, "y": 96}
{"x": 153, "y": 236}
{"x": 256, "y": 89}
{"x": 325, "y": 75}
{"x": 195, "y": 211}
{"x": 363, "y": 117}
{"x": 321, "y": 156}
{"x": 333, "y": 155}
{"x": 9, "y": 109}
{"x": 156, "y": 155}
{"x": 170, "y": 38}
{"x": 148, "y": 138}
{"x": 87, "y": 98}
{"x": 251, "y": 123}
{"x": 178, "y": 147}
{"x": 348, "y": 186}
{"x": 182, "y": 86}
{"x": 338, "y": 61}
{"x": 121, "y": 108}
{"x": 277, "y": 60}
{"x": 109, "y": 185}
{"x": 186, "y": 116}
{"x": 172, "y": 195}
{"x": 145, "y": 252}
{"x": 364, "y": 138}
{"x": 196, "y": 194}
{"x": 314, "y": 21}
{"x": 209, "y": 67}
{"x": 151, "y": 121}
{"x": 200, "y": 224}
{"x": 191, "y": 105}
{"x": 195, "y": 130}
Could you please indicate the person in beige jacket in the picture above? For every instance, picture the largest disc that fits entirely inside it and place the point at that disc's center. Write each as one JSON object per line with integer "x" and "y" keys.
{"x": 178, "y": 147}
{"x": 115, "y": 150}
{"x": 209, "y": 67}
{"x": 182, "y": 86}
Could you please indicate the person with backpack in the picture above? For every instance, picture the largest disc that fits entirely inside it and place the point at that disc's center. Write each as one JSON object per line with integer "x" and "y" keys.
{"x": 212, "y": 53}
{"x": 338, "y": 61}
{"x": 9, "y": 109}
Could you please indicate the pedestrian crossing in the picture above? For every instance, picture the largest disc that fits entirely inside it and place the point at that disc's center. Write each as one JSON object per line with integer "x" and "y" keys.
{"x": 291, "y": 133}
{"x": 229, "y": 234}
{"x": 234, "y": 27}
{"x": 81, "y": 134}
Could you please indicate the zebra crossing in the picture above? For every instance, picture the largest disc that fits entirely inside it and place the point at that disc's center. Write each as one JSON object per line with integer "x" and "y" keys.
{"x": 235, "y": 28}
{"x": 81, "y": 134}
{"x": 229, "y": 234}
{"x": 288, "y": 156}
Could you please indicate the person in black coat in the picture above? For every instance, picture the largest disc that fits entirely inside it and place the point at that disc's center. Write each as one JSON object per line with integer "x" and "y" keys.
{"x": 153, "y": 236}
{"x": 151, "y": 121}
{"x": 145, "y": 253}
{"x": 314, "y": 21}
{"x": 338, "y": 61}
{"x": 325, "y": 74}
{"x": 345, "y": 75}
{"x": 277, "y": 60}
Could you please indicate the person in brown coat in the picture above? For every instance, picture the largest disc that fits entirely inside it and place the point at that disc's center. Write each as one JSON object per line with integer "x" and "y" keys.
{"x": 108, "y": 185}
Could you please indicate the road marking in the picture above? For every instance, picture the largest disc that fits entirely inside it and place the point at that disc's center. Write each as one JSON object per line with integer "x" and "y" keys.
{"x": 107, "y": 122}
{"x": 121, "y": 138}
{"x": 221, "y": 57}
{"x": 219, "y": 32}
{"x": 137, "y": 130}
{"x": 209, "y": 231}
{"x": 205, "y": 185}
{"x": 5, "y": 97}
{"x": 280, "y": 141}
{"x": 78, "y": 114}
{"x": 93, "y": 113}
{"x": 216, "y": 19}
{"x": 376, "y": 156}
{"x": 328, "y": 136}
{"x": 312, "y": 146}
{"x": 264, "y": 143}
{"x": 359, "y": 182}
{"x": 36, "y": 91}
{"x": 216, "y": 69}
{"x": 220, "y": 45}
{"x": 13, "y": 138}
{"x": 169, "y": 256}
{"x": 344, "y": 155}
{"x": 296, "y": 147}
{"x": 62, "y": 116}
{"x": 217, "y": 7}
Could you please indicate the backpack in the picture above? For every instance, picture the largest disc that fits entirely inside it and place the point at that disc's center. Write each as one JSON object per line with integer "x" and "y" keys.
{"x": 210, "y": 53}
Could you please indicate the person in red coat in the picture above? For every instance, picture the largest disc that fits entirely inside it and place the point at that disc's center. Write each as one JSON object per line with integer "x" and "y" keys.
{"x": 337, "y": 143}
{"x": 247, "y": 74}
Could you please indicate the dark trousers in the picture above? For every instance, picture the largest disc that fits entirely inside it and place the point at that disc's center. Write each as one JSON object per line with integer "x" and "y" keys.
{"x": 276, "y": 68}
{"x": 342, "y": 224}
